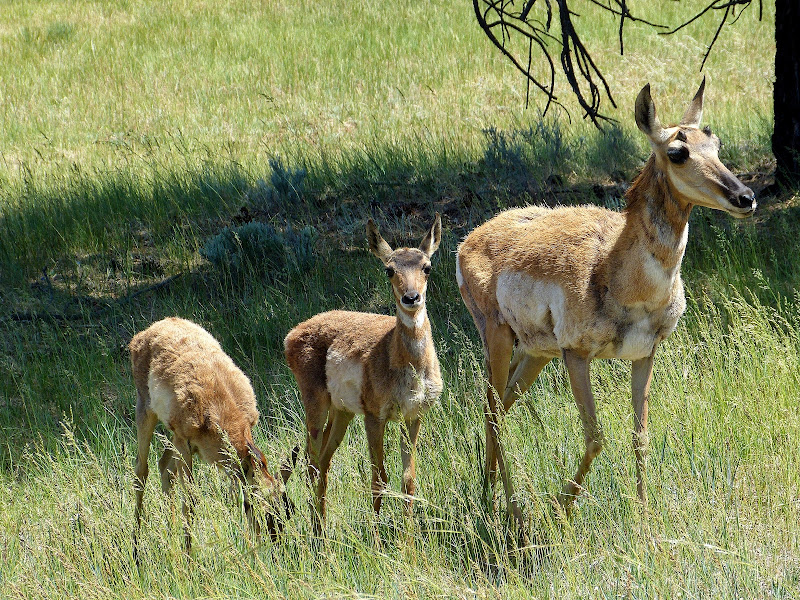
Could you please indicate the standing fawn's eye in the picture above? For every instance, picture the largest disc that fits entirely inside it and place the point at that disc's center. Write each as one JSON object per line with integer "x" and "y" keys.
{"x": 426, "y": 269}
{"x": 389, "y": 272}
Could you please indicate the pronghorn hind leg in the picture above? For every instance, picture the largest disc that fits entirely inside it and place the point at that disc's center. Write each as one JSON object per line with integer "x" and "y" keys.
{"x": 338, "y": 421}
{"x": 641, "y": 376}
{"x": 187, "y": 486}
{"x": 499, "y": 349}
{"x": 578, "y": 368}
{"x": 317, "y": 402}
{"x": 146, "y": 422}
{"x": 376, "y": 429}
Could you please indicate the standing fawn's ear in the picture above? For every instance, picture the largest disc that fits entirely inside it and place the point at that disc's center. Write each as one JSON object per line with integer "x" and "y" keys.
{"x": 430, "y": 243}
{"x": 646, "y": 118}
{"x": 377, "y": 245}
{"x": 693, "y": 114}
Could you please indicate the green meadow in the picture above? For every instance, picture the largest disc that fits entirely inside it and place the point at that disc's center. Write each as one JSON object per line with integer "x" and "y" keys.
{"x": 136, "y": 137}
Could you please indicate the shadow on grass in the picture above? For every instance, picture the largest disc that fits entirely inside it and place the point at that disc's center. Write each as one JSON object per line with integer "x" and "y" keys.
{"x": 86, "y": 261}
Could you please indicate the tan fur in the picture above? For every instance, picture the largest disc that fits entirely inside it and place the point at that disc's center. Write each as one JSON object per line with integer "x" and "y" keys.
{"x": 585, "y": 282}
{"x": 185, "y": 379}
{"x": 382, "y": 367}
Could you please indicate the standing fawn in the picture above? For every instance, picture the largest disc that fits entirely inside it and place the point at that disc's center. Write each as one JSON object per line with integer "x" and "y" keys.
{"x": 385, "y": 368}
{"x": 585, "y": 283}
{"x": 185, "y": 380}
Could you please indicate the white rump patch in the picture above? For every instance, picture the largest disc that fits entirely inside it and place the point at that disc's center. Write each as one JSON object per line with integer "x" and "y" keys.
{"x": 344, "y": 378}
{"x": 162, "y": 397}
{"x": 459, "y": 276}
{"x": 532, "y": 307}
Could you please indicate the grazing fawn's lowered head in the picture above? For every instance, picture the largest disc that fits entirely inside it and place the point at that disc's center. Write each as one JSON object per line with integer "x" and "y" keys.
{"x": 689, "y": 156}
{"x": 270, "y": 488}
{"x": 407, "y": 268}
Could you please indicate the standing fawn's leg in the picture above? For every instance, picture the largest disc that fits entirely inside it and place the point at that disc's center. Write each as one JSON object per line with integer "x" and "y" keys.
{"x": 499, "y": 349}
{"x": 338, "y": 421}
{"x": 168, "y": 467}
{"x": 641, "y": 376}
{"x": 317, "y": 402}
{"x": 376, "y": 428}
{"x": 578, "y": 368}
{"x": 408, "y": 447}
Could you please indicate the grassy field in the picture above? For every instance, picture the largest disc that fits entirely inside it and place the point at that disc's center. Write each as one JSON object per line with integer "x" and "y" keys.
{"x": 133, "y": 133}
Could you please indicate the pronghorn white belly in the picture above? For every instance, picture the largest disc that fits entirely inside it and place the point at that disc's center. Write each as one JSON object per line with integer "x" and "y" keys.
{"x": 162, "y": 397}
{"x": 344, "y": 378}
{"x": 535, "y": 310}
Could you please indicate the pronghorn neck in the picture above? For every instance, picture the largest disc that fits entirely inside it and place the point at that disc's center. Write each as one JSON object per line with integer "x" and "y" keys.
{"x": 656, "y": 217}
{"x": 412, "y": 334}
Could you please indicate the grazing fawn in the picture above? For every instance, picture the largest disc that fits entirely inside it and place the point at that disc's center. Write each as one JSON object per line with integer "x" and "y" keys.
{"x": 585, "y": 282}
{"x": 185, "y": 380}
{"x": 382, "y": 367}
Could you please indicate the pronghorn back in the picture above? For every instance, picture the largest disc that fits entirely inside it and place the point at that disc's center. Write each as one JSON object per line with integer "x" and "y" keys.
{"x": 198, "y": 386}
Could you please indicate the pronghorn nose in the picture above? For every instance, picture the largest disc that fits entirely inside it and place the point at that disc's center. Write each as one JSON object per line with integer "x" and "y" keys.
{"x": 744, "y": 199}
{"x": 411, "y": 298}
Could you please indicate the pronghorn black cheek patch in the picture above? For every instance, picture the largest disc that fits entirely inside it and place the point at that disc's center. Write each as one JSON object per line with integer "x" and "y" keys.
{"x": 678, "y": 155}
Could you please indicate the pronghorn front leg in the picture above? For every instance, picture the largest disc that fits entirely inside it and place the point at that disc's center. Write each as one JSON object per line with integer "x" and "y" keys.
{"x": 578, "y": 368}
{"x": 375, "y": 429}
{"x": 641, "y": 376}
{"x": 408, "y": 447}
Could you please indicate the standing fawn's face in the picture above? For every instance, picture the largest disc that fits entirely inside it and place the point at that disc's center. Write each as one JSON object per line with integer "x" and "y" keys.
{"x": 407, "y": 268}
{"x": 690, "y": 158}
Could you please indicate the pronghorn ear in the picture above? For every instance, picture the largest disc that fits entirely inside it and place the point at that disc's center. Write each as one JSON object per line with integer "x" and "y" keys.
{"x": 255, "y": 452}
{"x": 377, "y": 245}
{"x": 431, "y": 242}
{"x": 693, "y": 114}
{"x": 646, "y": 118}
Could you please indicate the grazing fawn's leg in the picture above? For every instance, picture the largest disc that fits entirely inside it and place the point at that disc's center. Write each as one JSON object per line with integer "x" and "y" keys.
{"x": 523, "y": 373}
{"x": 338, "y": 421}
{"x": 641, "y": 376}
{"x": 146, "y": 422}
{"x": 499, "y": 349}
{"x": 408, "y": 447}
{"x": 186, "y": 479}
{"x": 376, "y": 428}
{"x": 578, "y": 368}
{"x": 168, "y": 467}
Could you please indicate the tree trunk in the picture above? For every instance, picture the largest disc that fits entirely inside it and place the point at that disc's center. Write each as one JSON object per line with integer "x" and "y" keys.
{"x": 786, "y": 95}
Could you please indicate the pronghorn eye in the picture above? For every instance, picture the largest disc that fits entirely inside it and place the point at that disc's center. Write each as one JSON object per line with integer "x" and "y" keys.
{"x": 426, "y": 269}
{"x": 678, "y": 155}
{"x": 389, "y": 272}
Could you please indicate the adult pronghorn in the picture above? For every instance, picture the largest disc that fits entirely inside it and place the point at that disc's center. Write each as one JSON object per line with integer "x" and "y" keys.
{"x": 382, "y": 367}
{"x": 585, "y": 282}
